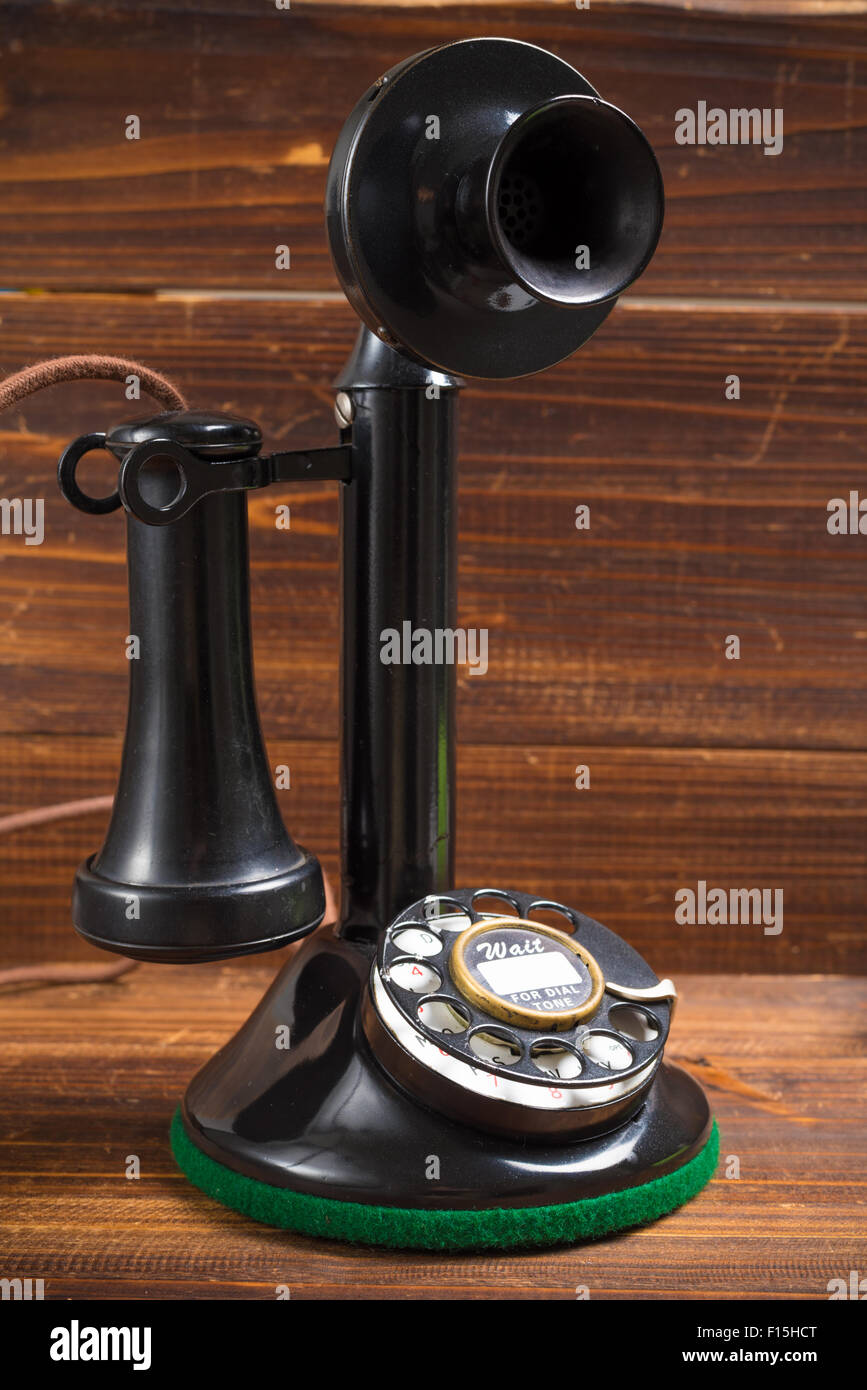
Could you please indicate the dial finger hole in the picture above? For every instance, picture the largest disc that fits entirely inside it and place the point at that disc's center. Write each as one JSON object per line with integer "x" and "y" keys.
{"x": 442, "y": 1016}
{"x": 494, "y": 1046}
{"x": 417, "y": 942}
{"x": 554, "y": 1059}
{"x": 443, "y": 914}
{"x": 415, "y": 975}
{"x": 635, "y": 1023}
{"x": 553, "y": 915}
{"x": 490, "y": 902}
{"x": 606, "y": 1051}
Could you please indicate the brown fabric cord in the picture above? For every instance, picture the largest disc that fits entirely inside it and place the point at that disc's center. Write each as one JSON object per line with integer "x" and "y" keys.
{"x": 22, "y": 820}
{"x": 91, "y": 367}
{"x": 63, "y": 974}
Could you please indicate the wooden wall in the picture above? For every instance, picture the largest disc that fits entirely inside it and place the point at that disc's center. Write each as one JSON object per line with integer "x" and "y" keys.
{"x": 708, "y": 516}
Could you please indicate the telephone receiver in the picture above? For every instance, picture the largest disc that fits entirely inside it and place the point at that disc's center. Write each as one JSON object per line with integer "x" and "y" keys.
{"x": 485, "y": 207}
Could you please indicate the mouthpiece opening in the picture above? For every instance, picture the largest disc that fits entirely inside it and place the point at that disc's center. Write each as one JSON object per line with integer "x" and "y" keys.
{"x": 574, "y": 201}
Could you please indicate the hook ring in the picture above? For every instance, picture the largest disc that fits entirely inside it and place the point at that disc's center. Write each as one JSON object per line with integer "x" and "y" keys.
{"x": 66, "y": 469}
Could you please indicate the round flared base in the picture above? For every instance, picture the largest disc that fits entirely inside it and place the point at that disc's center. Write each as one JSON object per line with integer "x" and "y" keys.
{"x": 296, "y": 1123}
{"x": 445, "y": 1228}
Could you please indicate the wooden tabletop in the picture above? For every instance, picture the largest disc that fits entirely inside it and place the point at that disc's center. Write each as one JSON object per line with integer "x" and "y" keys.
{"x": 90, "y": 1074}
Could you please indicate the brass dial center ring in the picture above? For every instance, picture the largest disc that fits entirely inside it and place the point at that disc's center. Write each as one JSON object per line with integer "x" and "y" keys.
{"x": 526, "y": 974}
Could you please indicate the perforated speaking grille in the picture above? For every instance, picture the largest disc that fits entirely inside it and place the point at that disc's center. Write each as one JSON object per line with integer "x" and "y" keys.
{"x": 520, "y": 208}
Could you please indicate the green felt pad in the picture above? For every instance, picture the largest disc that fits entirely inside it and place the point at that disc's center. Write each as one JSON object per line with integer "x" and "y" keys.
{"x": 447, "y": 1229}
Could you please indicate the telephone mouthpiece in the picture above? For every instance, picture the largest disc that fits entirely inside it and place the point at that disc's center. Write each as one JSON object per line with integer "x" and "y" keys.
{"x": 486, "y": 207}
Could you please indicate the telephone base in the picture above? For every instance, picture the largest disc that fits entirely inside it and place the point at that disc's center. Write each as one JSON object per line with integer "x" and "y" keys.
{"x": 315, "y": 1137}
{"x": 444, "y": 1228}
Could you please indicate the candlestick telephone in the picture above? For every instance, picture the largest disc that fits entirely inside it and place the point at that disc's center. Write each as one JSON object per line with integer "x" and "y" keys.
{"x": 449, "y": 1067}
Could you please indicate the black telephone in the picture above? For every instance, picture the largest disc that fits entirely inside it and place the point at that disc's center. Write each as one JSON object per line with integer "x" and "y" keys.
{"x": 449, "y": 1067}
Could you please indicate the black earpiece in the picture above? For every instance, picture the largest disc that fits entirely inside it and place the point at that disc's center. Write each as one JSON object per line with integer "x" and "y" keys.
{"x": 486, "y": 207}
{"x": 197, "y": 863}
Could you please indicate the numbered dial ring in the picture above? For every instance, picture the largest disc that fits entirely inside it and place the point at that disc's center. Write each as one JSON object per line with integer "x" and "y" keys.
{"x": 510, "y": 1024}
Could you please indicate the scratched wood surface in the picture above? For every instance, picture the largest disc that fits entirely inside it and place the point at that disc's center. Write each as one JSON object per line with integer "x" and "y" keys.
{"x": 655, "y": 821}
{"x": 606, "y": 648}
{"x": 92, "y": 1074}
{"x": 239, "y": 107}
{"x": 707, "y": 517}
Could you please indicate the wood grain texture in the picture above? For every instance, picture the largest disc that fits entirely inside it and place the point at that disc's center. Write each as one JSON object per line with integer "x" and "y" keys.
{"x": 708, "y": 517}
{"x": 92, "y": 1074}
{"x": 240, "y": 105}
{"x": 606, "y": 648}
{"x": 652, "y": 822}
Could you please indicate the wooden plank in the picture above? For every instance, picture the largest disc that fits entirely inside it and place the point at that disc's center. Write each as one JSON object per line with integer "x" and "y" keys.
{"x": 707, "y": 518}
{"x": 652, "y": 822}
{"x": 237, "y": 131}
{"x": 91, "y": 1074}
